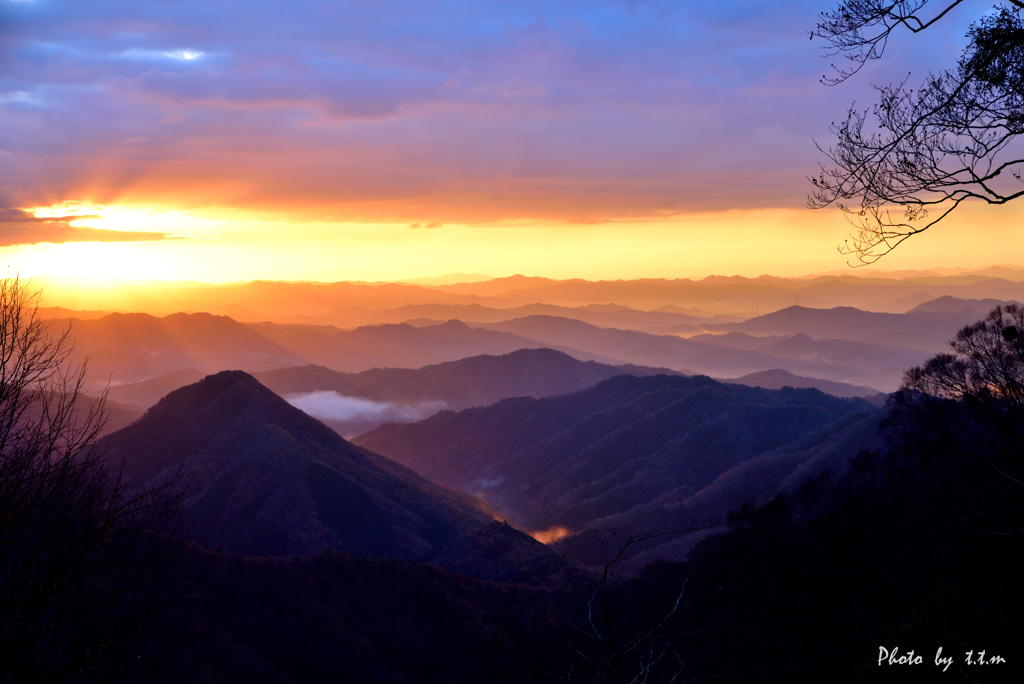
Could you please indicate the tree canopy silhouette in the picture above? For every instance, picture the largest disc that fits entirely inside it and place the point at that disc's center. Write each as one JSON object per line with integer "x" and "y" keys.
{"x": 972, "y": 400}
{"x": 905, "y": 164}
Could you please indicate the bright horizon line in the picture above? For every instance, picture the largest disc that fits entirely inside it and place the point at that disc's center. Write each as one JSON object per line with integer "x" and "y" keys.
{"x": 226, "y": 249}
{"x": 447, "y": 279}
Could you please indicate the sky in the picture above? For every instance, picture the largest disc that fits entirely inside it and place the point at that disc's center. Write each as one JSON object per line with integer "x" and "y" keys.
{"x": 382, "y": 140}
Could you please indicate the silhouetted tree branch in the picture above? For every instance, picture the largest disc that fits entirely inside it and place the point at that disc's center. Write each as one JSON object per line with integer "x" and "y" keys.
{"x": 902, "y": 166}
{"x": 81, "y": 558}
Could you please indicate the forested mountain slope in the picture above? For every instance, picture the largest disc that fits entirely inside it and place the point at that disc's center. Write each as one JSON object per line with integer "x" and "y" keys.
{"x": 626, "y": 447}
{"x": 263, "y": 478}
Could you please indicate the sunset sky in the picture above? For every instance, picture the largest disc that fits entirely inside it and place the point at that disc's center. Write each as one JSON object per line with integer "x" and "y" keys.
{"x": 365, "y": 140}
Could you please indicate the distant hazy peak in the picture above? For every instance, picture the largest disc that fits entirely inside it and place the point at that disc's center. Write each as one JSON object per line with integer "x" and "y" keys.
{"x": 948, "y": 303}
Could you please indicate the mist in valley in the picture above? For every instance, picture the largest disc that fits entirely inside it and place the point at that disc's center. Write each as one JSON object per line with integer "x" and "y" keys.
{"x": 351, "y": 416}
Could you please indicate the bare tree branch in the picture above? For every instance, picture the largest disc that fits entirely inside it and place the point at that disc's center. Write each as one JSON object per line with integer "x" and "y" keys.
{"x": 907, "y": 163}
{"x": 81, "y": 558}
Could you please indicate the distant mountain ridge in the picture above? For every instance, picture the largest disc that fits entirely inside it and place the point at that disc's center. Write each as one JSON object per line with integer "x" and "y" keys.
{"x": 951, "y": 304}
{"x": 391, "y": 345}
{"x": 733, "y": 353}
{"x": 266, "y": 479}
{"x": 926, "y": 330}
{"x": 778, "y": 378}
{"x": 350, "y": 304}
{"x": 602, "y": 315}
{"x": 132, "y": 347}
{"x": 841, "y": 344}
{"x": 473, "y": 381}
{"x": 606, "y": 345}
{"x": 147, "y": 392}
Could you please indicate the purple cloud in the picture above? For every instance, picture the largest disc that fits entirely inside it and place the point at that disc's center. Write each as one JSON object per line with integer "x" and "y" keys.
{"x": 467, "y": 111}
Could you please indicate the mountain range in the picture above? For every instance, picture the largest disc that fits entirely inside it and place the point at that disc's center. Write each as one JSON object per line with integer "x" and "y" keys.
{"x": 265, "y": 478}
{"x": 924, "y": 329}
{"x": 403, "y": 394}
{"x": 778, "y": 522}
{"x": 840, "y": 344}
{"x": 132, "y": 347}
{"x": 352, "y": 304}
{"x": 396, "y": 345}
{"x": 658, "y": 447}
{"x": 472, "y": 381}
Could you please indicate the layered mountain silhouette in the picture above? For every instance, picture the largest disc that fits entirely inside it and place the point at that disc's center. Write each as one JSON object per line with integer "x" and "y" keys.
{"x": 473, "y": 381}
{"x": 393, "y": 345}
{"x": 924, "y": 329}
{"x": 350, "y": 304}
{"x": 842, "y": 344}
{"x": 602, "y": 315}
{"x": 819, "y": 563}
{"x": 948, "y": 304}
{"x": 630, "y": 447}
{"x": 147, "y": 392}
{"x": 778, "y": 378}
{"x": 404, "y": 394}
{"x": 263, "y": 478}
{"x": 608, "y": 345}
{"x": 733, "y": 353}
{"x": 118, "y": 415}
{"x": 132, "y": 347}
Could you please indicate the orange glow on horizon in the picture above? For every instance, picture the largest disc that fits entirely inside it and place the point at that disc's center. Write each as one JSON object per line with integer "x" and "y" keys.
{"x": 220, "y": 246}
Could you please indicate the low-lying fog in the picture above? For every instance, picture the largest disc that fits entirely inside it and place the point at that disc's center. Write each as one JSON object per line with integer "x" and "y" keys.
{"x": 352, "y": 416}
